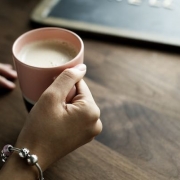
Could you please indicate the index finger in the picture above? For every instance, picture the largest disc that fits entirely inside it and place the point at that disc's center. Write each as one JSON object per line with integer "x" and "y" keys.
{"x": 83, "y": 90}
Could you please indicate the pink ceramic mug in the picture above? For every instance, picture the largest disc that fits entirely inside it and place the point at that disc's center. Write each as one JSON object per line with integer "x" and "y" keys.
{"x": 34, "y": 80}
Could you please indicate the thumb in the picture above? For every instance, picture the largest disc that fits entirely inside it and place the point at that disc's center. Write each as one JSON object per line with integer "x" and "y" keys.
{"x": 67, "y": 79}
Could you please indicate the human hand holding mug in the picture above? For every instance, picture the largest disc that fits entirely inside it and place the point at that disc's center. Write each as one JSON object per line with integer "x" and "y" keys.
{"x": 54, "y": 128}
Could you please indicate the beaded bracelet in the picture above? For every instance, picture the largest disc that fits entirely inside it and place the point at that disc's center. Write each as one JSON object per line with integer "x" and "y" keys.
{"x": 23, "y": 153}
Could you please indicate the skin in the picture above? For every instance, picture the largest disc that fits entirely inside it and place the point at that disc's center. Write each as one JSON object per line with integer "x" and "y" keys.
{"x": 55, "y": 128}
{"x": 6, "y": 75}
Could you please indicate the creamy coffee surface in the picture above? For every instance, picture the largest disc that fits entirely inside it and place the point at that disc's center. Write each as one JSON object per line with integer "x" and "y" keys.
{"x": 47, "y": 53}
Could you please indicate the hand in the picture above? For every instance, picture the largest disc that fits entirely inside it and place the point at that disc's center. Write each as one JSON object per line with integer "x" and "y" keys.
{"x": 55, "y": 128}
{"x": 6, "y": 73}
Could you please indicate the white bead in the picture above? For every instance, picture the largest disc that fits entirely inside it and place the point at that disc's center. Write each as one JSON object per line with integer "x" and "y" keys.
{"x": 24, "y": 153}
{"x": 32, "y": 160}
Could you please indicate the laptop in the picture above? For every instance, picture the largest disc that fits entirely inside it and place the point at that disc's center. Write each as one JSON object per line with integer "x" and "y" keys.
{"x": 147, "y": 20}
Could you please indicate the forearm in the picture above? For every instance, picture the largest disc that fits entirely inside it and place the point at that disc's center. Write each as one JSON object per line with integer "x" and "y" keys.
{"x": 22, "y": 163}
{"x": 17, "y": 168}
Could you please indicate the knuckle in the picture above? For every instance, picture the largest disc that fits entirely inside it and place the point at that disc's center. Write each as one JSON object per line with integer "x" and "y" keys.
{"x": 97, "y": 112}
{"x": 84, "y": 104}
{"x": 97, "y": 128}
{"x": 94, "y": 113}
{"x": 92, "y": 110}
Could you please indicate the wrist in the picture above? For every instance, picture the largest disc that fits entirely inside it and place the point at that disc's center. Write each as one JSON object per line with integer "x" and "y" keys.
{"x": 17, "y": 168}
{"x": 35, "y": 150}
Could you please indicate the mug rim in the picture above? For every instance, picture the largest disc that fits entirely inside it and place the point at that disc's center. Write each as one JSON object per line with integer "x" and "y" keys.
{"x": 48, "y": 28}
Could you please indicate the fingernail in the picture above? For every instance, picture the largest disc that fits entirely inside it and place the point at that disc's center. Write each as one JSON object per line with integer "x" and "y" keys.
{"x": 81, "y": 67}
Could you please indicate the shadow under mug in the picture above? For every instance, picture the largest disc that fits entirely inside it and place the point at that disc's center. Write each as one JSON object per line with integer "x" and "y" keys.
{"x": 33, "y": 80}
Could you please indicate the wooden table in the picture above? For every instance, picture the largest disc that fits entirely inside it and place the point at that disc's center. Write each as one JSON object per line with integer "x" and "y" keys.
{"x": 137, "y": 90}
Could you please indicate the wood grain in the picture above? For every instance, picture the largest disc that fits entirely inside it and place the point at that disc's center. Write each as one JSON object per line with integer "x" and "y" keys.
{"x": 139, "y": 101}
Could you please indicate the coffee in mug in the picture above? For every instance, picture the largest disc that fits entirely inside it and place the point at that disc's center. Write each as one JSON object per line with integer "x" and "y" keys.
{"x": 47, "y": 53}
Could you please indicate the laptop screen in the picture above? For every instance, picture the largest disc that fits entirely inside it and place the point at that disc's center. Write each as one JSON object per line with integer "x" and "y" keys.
{"x": 149, "y": 20}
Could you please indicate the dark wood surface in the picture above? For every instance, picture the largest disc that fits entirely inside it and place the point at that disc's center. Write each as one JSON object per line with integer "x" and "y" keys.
{"x": 138, "y": 92}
